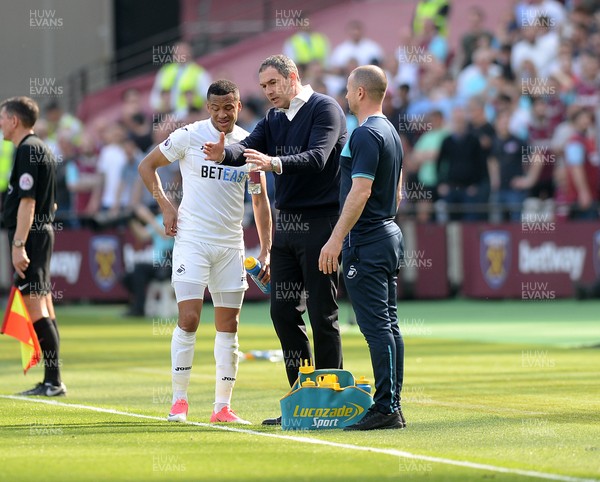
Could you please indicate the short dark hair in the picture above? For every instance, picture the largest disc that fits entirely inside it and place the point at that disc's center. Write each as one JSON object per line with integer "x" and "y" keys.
{"x": 282, "y": 64}
{"x": 25, "y": 108}
{"x": 372, "y": 79}
{"x": 223, "y": 87}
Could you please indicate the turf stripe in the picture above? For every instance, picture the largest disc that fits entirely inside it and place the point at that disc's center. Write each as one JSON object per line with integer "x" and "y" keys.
{"x": 308, "y": 440}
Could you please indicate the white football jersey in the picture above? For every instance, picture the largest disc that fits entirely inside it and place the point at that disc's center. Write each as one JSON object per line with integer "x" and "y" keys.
{"x": 212, "y": 207}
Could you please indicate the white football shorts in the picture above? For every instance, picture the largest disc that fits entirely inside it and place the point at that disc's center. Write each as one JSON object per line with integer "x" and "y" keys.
{"x": 219, "y": 268}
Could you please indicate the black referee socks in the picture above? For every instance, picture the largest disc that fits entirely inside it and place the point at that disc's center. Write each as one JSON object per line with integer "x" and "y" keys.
{"x": 49, "y": 343}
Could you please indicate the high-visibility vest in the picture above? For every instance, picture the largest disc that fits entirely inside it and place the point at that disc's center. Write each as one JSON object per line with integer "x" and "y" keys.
{"x": 429, "y": 9}
{"x": 305, "y": 50}
{"x": 68, "y": 123}
{"x": 7, "y": 150}
{"x": 187, "y": 81}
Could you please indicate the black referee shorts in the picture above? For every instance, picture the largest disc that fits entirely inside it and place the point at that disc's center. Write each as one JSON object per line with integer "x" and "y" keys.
{"x": 39, "y": 246}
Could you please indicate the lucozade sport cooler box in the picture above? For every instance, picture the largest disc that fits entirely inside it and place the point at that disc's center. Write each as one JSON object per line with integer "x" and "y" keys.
{"x": 324, "y": 399}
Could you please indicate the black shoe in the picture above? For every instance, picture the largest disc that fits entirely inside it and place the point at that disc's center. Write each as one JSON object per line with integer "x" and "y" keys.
{"x": 374, "y": 420}
{"x": 272, "y": 421}
{"x": 45, "y": 390}
{"x": 402, "y": 419}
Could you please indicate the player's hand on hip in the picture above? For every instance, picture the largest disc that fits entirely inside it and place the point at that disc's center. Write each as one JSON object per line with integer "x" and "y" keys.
{"x": 328, "y": 259}
{"x": 170, "y": 220}
{"x": 257, "y": 160}
{"x": 20, "y": 261}
{"x": 213, "y": 151}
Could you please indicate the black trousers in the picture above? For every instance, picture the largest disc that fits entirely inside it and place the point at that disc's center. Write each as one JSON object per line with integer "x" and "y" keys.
{"x": 297, "y": 285}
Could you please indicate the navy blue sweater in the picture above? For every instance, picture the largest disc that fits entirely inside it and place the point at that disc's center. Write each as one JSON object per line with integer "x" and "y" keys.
{"x": 309, "y": 147}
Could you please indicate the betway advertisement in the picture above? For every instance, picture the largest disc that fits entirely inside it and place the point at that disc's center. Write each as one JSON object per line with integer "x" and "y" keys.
{"x": 519, "y": 261}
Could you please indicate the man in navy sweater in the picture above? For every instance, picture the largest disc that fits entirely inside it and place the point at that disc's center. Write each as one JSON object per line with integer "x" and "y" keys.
{"x": 300, "y": 140}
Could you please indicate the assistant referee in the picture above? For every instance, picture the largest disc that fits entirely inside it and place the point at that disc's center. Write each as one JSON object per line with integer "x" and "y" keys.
{"x": 28, "y": 216}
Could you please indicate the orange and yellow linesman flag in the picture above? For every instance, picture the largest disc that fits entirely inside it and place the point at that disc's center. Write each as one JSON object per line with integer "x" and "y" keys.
{"x": 18, "y": 324}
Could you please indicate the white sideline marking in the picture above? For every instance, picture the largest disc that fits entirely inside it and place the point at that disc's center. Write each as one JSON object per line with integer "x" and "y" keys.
{"x": 308, "y": 440}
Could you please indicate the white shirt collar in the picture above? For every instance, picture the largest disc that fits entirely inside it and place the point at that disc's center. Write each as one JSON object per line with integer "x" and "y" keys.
{"x": 297, "y": 102}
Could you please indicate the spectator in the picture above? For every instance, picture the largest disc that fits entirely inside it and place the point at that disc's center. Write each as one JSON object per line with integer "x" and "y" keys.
{"x": 539, "y": 44}
{"x": 406, "y": 56}
{"x": 460, "y": 172}
{"x": 424, "y": 157}
{"x": 587, "y": 86}
{"x": 503, "y": 57}
{"x": 531, "y": 12}
{"x": 433, "y": 42}
{"x": 146, "y": 226}
{"x": 445, "y": 97}
{"x": 476, "y": 31}
{"x": 82, "y": 179}
{"x": 540, "y": 158}
{"x": 485, "y": 132}
{"x": 562, "y": 72}
{"x": 64, "y": 166}
{"x": 475, "y": 79}
{"x": 124, "y": 196}
{"x": 181, "y": 84}
{"x": 111, "y": 161}
{"x": 307, "y": 46}
{"x": 60, "y": 121}
{"x": 435, "y": 10}
{"x": 365, "y": 51}
{"x": 479, "y": 125}
{"x": 505, "y": 166}
{"x": 582, "y": 169}
{"x": 135, "y": 120}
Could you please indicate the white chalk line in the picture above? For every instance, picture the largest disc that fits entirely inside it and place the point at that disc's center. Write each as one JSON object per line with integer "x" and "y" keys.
{"x": 313, "y": 441}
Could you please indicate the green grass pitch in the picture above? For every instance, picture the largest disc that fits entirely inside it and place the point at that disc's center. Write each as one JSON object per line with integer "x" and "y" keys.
{"x": 512, "y": 385}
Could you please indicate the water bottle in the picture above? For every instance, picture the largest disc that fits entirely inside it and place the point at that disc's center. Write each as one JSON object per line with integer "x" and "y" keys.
{"x": 253, "y": 267}
{"x": 254, "y": 182}
{"x": 364, "y": 384}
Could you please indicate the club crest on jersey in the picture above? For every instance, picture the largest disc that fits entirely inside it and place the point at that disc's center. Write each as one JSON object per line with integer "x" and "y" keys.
{"x": 181, "y": 269}
{"x": 596, "y": 253}
{"x": 105, "y": 261}
{"x": 26, "y": 181}
{"x": 167, "y": 143}
{"x": 495, "y": 257}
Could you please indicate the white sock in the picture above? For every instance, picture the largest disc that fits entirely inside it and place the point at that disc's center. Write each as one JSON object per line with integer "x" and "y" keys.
{"x": 182, "y": 355}
{"x": 226, "y": 359}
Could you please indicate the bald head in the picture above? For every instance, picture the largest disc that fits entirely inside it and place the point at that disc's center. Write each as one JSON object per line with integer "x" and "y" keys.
{"x": 372, "y": 79}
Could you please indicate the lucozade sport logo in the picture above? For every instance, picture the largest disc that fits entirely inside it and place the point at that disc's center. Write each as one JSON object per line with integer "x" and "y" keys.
{"x": 494, "y": 256}
{"x": 329, "y": 416}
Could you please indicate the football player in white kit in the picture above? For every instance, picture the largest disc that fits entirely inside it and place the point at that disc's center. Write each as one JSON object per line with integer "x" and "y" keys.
{"x": 209, "y": 244}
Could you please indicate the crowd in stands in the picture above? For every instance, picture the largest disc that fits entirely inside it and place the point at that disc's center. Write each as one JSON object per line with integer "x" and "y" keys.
{"x": 504, "y": 126}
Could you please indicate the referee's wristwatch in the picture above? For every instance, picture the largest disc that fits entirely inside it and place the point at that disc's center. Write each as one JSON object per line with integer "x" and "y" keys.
{"x": 18, "y": 243}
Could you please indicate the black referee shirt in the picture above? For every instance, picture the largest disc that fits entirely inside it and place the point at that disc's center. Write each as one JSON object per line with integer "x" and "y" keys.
{"x": 33, "y": 176}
